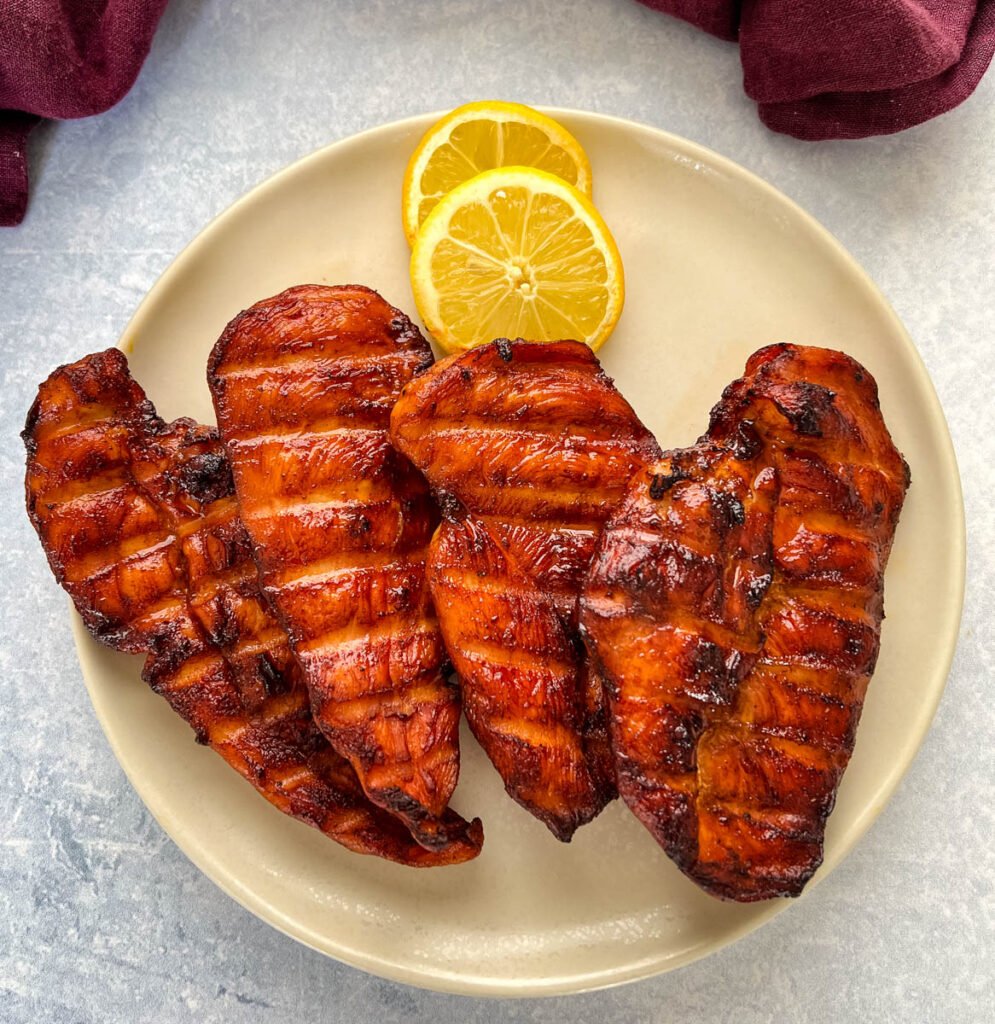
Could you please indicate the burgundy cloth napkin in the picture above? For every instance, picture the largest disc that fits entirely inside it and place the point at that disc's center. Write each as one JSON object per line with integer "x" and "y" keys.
{"x": 846, "y": 69}
{"x": 63, "y": 58}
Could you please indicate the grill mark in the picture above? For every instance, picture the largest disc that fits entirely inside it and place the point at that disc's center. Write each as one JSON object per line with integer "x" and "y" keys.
{"x": 275, "y": 711}
{"x": 300, "y": 775}
{"x": 467, "y": 583}
{"x": 169, "y": 608}
{"x": 579, "y": 526}
{"x": 557, "y": 500}
{"x": 266, "y": 328}
{"x": 75, "y": 494}
{"x": 288, "y": 538}
{"x": 335, "y": 643}
{"x": 648, "y": 635}
{"x": 787, "y": 675}
{"x": 784, "y": 824}
{"x": 552, "y": 736}
{"x": 309, "y": 366}
{"x": 119, "y": 556}
{"x": 809, "y": 595}
{"x": 291, "y": 435}
{"x": 347, "y": 564}
{"x": 494, "y": 653}
{"x": 596, "y": 435}
{"x": 86, "y": 419}
{"x": 245, "y": 440}
{"x": 426, "y": 765}
{"x": 223, "y": 513}
{"x": 293, "y": 507}
{"x": 638, "y": 538}
{"x": 538, "y": 385}
{"x": 682, "y": 783}
{"x": 263, "y": 642}
{"x": 385, "y": 704}
{"x": 744, "y": 736}
{"x": 220, "y": 581}
{"x": 193, "y": 672}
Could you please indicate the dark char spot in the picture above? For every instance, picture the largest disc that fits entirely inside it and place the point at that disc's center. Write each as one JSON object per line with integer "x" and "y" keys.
{"x": 747, "y": 443}
{"x": 273, "y": 682}
{"x": 662, "y": 482}
{"x": 730, "y": 507}
{"x": 207, "y": 477}
{"x": 756, "y": 589}
{"x": 361, "y": 526}
{"x": 804, "y": 407}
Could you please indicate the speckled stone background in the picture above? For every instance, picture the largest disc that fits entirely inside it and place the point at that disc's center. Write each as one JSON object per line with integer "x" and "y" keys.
{"x": 101, "y": 917}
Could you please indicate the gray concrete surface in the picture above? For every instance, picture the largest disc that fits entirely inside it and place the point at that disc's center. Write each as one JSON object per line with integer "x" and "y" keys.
{"x": 101, "y": 917}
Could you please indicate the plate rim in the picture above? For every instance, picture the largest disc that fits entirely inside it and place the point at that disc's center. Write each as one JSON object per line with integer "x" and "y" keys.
{"x": 453, "y": 982}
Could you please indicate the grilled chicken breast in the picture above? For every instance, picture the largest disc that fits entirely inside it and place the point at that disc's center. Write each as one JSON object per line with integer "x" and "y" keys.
{"x": 734, "y": 605}
{"x": 139, "y": 523}
{"x": 303, "y": 385}
{"x": 527, "y": 448}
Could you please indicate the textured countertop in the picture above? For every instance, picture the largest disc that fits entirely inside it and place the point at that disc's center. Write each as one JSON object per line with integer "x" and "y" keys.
{"x": 102, "y": 918}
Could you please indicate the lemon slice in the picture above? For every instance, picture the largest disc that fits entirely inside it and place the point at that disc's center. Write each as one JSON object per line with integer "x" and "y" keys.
{"x": 478, "y": 137}
{"x": 516, "y": 253}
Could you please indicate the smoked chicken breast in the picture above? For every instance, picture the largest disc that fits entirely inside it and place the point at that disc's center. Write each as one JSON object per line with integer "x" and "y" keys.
{"x": 303, "y": 385}
{"x": 139, "y": 523}
{"x": 527, "y": 448}
{"x": 734, "y": 605}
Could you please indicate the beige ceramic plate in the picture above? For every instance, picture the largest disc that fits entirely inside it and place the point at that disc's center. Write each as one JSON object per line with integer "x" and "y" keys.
{"x": 717, "y": 264}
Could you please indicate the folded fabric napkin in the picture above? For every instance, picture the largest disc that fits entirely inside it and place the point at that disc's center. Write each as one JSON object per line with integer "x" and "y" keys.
{"x": 846, "y": 69}
{"x": 63, "y": 58}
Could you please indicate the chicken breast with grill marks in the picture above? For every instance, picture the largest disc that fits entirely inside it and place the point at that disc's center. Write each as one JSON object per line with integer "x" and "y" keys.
{"x": 303, "y": 385}
{"x": 734, "y": 605}
{"x": 527, "y": 447}
{"x": 139, "y": 523}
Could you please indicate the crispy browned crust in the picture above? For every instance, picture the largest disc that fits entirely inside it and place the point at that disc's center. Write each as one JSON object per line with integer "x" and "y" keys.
{"x": 139, "y": 524}
{"x": 735, "y": 605}
{"x": 527, "y": 448}
{"x": 303, "y": 384}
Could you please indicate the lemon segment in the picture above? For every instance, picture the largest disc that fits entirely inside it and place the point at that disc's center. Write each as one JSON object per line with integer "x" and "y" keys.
{"x": 481, "y": 136}
{"x": 516, "y": 252}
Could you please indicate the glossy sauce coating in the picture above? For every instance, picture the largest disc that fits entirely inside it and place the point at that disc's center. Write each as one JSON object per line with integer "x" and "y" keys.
{"x": 734, "y": 605}
{"x": 527, "y": 448}
{"x": 139, "y": 523}
{"x": 303, "y": 385}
